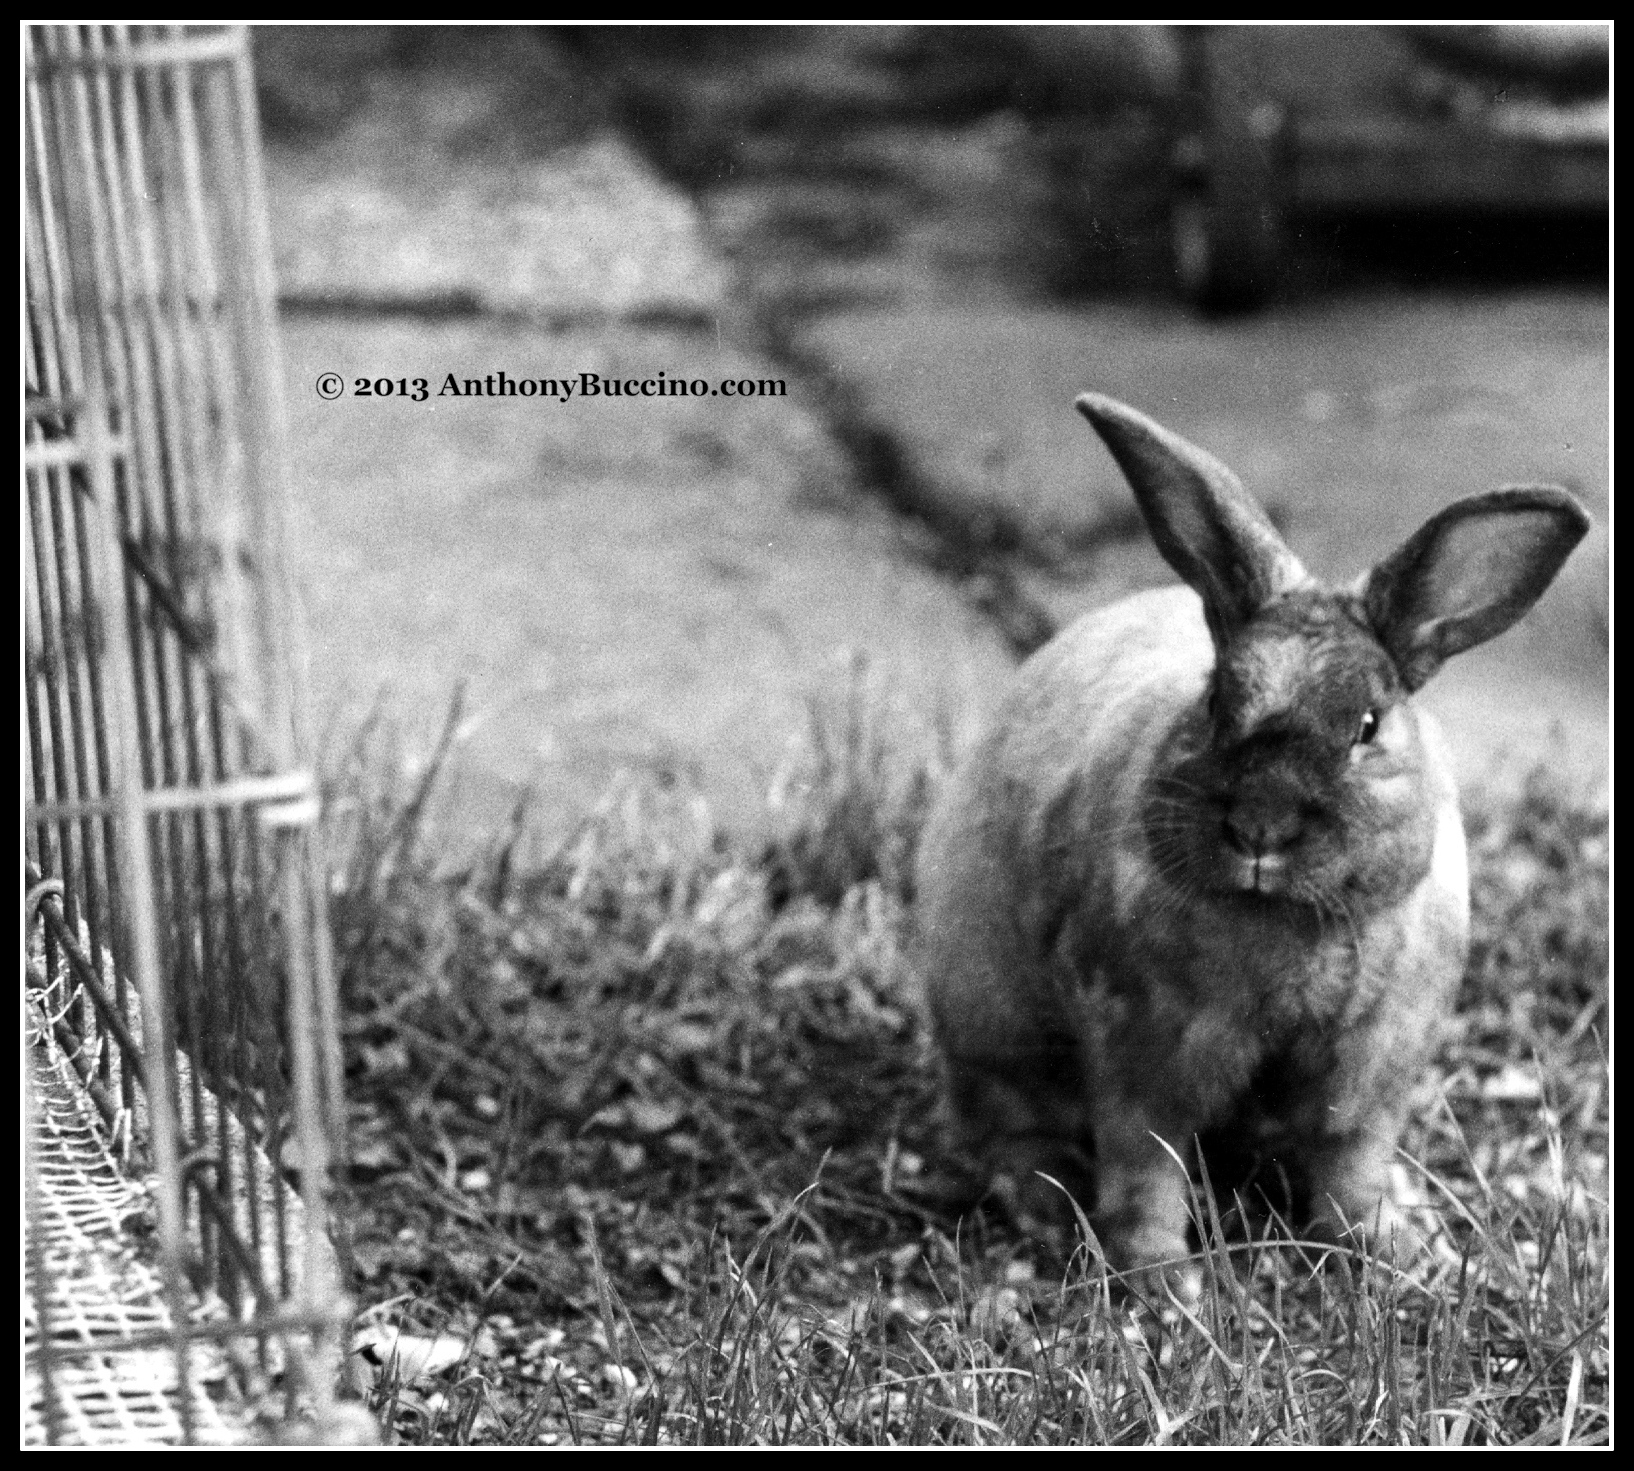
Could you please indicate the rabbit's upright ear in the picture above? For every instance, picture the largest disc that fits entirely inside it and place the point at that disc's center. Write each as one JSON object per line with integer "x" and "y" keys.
{"x": 1468, "y": 573}
{"x": 1205, "y": 524}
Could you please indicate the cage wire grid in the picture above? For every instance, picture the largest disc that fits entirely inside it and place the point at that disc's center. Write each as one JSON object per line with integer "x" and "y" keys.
{"x": 181, "y": 1058}
{"x": 100, "y": 1290}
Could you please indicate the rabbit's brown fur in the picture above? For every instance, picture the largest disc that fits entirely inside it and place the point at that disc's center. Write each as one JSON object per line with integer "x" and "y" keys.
{"x": 1206, "y": 872}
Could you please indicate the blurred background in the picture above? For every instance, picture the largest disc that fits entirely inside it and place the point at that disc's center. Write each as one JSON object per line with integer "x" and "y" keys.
{"x": 1366, "y": 266}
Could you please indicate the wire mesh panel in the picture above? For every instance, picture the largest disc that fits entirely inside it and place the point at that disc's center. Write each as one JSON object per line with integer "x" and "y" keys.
{"x": 178, "y": 965}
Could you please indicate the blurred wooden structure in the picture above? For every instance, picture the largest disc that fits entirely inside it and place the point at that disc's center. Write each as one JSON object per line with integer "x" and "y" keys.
{"x": 1287, "y": 124}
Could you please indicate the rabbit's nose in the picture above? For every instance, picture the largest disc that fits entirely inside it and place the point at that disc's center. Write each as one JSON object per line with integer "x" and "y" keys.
{"x": 1255, "y": 831}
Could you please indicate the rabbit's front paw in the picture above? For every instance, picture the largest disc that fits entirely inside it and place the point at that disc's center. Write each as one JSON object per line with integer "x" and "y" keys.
{"x": 1379, "y": 1229}
{"x": 1160, "y": 1265}
{"x": 1143, "y": 1218}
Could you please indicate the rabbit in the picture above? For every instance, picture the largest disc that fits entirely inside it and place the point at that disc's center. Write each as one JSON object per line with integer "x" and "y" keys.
{"x": 1205, "y": 874}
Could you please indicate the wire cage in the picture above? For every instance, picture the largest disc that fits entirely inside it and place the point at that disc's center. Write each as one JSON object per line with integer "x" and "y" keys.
{"x": 179, "y": 1038}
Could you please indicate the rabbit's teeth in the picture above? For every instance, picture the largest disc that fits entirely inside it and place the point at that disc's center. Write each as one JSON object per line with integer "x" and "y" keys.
{"x": 1264, "y": 873}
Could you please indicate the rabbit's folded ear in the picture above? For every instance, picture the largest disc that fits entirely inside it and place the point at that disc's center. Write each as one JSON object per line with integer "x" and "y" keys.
{"x": 1468, "y": 573}
{"x": 1205, "y": 524}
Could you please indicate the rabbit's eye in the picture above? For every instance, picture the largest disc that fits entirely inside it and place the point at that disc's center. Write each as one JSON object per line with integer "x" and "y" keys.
{"x": 1368, "y": 728}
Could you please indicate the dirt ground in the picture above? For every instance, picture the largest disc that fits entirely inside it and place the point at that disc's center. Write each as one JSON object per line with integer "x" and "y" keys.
{"x": 664, "y": 585}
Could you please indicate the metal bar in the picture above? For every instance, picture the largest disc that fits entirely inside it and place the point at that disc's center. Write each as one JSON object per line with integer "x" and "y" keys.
{"x": 38, "y": 406}
{"x": 253, "y": 305}
{"x": 261, "y": 989}
{"x": 317, "y": 1284}
{"x": 110, "y": 1014}
{"x": 98, "y": 840}
{"x": 150, "y": 979}
{"x": 294, "y": 788}
{"x": 107, "y": 832}
{"x": 50, "y": 453}
{"x": 76, "y": 632}
{"x": 217, "y": 527}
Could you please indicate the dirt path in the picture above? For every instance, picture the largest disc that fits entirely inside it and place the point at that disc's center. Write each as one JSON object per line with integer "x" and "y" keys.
{"x": 648, "y": 586}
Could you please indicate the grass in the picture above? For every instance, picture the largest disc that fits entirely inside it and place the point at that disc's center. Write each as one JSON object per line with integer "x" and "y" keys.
{"x": 644, "y": 1136}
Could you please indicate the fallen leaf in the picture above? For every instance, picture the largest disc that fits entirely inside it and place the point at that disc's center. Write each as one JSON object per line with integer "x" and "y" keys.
{"x": 1511, "y": 1084}
{"x": 654, "y": 1116}
{"x": 409, "y": 1356}
{"x": 621, "y": 1379}
{"x": 904, "y": 1257}
{"x": 686, "y": 1039}
{"x": 377, "y": 1155}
